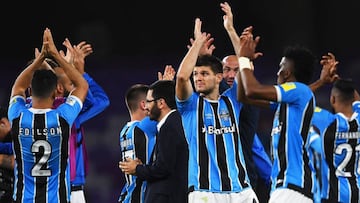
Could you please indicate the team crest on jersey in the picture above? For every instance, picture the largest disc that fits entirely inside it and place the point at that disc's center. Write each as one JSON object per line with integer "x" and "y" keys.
{"x": 288, "y": 86}
{"x": 71, "y": 101}
{"x": 224, "y": 114}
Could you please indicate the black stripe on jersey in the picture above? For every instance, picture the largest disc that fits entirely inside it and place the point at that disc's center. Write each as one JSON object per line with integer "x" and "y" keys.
{"x": 351, "y": 165}
{"x": 282, "y": 141}
{"x": 16, "y": 144}
{"x": 122, "y": 154}
{"x": 329, "y": 140}
{"x": 220, "y": 153}
{"x": 236, "y": 137}
{"x": 308, "y": 182}
{"x": 65, "y": 129}
{"x": 41, "y": 184}
{"x": 140, "y": 147}
{"x": 203, "y": 153}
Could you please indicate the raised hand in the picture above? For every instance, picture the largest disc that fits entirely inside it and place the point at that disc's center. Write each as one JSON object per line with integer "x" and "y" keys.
{"x": 228, "y": 17}
{"x": 329, "y": 68}
{"x": 169, "y": 73}
{"x": 85, "y": 48}
{"x": 208, "y": 46}
{"x": 75, "y": 56}
{"x": 48, "y": 48}
{"x": 248, "y": 44}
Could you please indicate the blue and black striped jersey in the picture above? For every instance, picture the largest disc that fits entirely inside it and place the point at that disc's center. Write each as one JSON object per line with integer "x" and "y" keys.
{"x": 41, "y": 139}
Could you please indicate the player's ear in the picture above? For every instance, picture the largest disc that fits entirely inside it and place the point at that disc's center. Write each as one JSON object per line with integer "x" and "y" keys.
{"x": 142, "y": 104}
{"x": 332, "y": 100}
{"x": 60, "y": 89}
{"x": 219, "y": 77}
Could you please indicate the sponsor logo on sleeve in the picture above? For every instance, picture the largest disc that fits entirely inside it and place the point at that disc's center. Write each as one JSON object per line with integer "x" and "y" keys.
{"x": 71, "y": 101}
{"x": 288, "y": 86}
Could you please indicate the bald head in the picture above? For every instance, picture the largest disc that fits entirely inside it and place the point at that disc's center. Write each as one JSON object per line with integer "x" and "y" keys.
{"x": 230, "y": 68}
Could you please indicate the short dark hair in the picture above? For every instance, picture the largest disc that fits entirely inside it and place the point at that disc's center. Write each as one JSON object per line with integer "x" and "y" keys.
{"x": 43, "y": 83}
{"x": 210, "y": 60}
{"x": 135, "y": 94}
{"x": 303, "y": 61}
{"x": 345, "y": 89}
{"x": 164, "y": 89}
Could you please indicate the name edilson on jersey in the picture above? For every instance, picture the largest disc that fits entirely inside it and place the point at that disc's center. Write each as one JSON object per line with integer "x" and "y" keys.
{"x": 43, "y": 131}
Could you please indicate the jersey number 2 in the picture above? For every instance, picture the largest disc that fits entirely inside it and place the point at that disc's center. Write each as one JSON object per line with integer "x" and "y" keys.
{"x": 36, "y": 170}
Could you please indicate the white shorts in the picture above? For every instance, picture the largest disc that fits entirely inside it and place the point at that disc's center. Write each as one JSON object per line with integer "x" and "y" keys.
{"x": 77, "y": 196}
{"x": 246, "y": 196}
{"x": 286, "y": 195}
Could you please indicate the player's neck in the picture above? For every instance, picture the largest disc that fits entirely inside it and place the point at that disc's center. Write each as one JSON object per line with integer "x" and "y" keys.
{"x": 42, "y": 103}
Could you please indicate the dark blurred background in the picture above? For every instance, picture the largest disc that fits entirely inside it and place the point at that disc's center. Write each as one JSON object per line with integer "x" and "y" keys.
{"x": 132, "y": 40}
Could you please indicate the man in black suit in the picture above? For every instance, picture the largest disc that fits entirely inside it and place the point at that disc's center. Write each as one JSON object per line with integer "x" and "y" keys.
{"x": 167, "y": 172}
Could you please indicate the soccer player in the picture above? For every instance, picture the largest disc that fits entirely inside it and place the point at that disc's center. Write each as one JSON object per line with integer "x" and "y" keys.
{"x": 137, "y": 137}
{"x": 217, "y": 170}
{"x": 340, "y": 174}
{"x": 95, "y": 103}
{"x": 137, "y": 140}
{"x": 41, "y": 134}
{"x": 166, "y": 173}
{"x": 295, "y": 103}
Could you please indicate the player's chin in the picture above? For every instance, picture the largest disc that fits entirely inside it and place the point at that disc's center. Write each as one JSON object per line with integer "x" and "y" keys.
{"x": 200, "y": 89}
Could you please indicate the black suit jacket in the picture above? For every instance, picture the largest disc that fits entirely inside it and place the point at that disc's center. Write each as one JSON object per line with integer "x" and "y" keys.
{"x": 167, "y": 174}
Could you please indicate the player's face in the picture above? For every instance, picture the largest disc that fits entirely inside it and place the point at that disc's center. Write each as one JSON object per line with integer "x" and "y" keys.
{"x": 152, "y": 106}
{"x": 205, "y": 80}
{"x": 64, "y": 80}
{"x": 230, "y": 69}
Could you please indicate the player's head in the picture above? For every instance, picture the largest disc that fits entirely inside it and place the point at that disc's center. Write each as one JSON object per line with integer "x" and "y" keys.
{"x": 342, "y": 93}
{"x": 43, "y": 84}
{"x": 297, "y": 64}
{"x": 207, "y": 74}
{"x": 64, "y": 86}
{"x": 230, "y": 68}
{"x": 135, "y": 97}
{"x": 160, "y": 98}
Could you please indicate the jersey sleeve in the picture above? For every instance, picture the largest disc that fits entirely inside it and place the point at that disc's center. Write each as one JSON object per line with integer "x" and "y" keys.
{"x": 70, "y": 109}
{"x": 16, "y": 105}
{"x": 187, "y": 105}
{"x": 96, "y": 100}
{"x": 292, "y": 92}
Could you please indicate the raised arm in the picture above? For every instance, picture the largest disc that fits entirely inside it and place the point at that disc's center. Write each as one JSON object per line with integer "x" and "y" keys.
{"x": 23, "y": 81}
{"x": 183, "y": 83}
{"x": 253, "y": 88}
{"x": 229, "y": 26}
{"x": 328, "y": 73}
{"x": 81, "y": 86}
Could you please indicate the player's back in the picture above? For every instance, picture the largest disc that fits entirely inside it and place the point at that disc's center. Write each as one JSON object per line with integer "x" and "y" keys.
{"x": 340, "y": 174}
{"x": 41, "y": 150}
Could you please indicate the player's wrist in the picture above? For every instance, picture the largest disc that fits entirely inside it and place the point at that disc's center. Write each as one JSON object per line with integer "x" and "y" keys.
{"x": 244, "y": 63}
